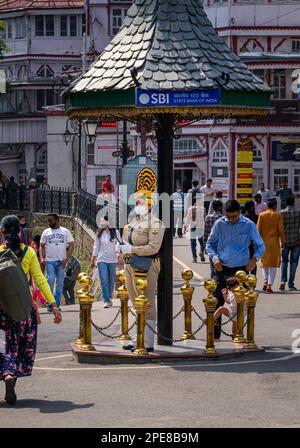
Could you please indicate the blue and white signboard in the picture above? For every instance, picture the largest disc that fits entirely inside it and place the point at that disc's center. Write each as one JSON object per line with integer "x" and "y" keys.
{"x": 160, "y": 98}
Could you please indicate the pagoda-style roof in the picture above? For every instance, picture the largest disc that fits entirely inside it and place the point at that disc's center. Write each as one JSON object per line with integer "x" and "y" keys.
{"x": 167, "y": 45}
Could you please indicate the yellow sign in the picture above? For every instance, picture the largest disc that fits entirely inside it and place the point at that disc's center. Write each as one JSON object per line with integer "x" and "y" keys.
{"x": 244, "y": 191}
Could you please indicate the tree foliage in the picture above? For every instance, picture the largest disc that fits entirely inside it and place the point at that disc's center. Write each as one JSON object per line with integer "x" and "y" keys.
{"x": 3, "y": 46}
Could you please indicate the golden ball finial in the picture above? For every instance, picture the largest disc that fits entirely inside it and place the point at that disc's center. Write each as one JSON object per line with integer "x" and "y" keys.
{"x": 141, "y": 284}
{"x": 187, "y": 274}
{"x": 82, "y": 274}
{"x": 251, "y": 281}
{"x": 121, "y": 277}
{"x": 210, "y": 285}
{"x": 241, "y": 277}
{"x": 86, "y": 281}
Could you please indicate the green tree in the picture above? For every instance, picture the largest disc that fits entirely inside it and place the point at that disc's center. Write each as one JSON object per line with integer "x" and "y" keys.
{"x": 3, "y": 46}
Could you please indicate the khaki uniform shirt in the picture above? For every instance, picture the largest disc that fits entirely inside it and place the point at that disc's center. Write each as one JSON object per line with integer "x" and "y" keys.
{"x": 147, "y": 235}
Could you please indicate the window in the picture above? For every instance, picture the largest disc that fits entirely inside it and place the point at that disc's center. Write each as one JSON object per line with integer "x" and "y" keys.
{"x": 118, "y": 15}
{"x": 91, "y": 154}
{"x": 258, "y": 178}
{"x": 219, "y": 171}
{"x": 297, "y": 180}
{"x": 73, "y": 26}
{"x": 44, "y": 98}
{"x": 281, "y": 175}
{"x": 257, "y": 156}
{"x": 296, "y": 46}
{"x": 44, "y": 25}
{"x": 188, "y": 146}
{"x": 279, "y": 84}
{"x": 20, "y": 28}
{"x": 45, "y": 72}
{"x": 64, "y": 26}
{"x": 220, "y": 153}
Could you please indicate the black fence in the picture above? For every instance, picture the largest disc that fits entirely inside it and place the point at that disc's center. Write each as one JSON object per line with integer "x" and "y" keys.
{"x": 16, "y": 198}
{"x": 54, "y": 200}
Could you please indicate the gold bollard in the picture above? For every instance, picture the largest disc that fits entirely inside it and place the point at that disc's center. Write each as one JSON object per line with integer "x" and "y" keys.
{"x": 210, "y": 304}
{"x": 187, "y": 292}
{"x": 80, "y": 339}
{"x": 239, "y": 292}
{"x": 123, "y": 296}
{"x": 251, "y": 298}
{"x": 140, "y": 305}
{"x": 86, "y": 302}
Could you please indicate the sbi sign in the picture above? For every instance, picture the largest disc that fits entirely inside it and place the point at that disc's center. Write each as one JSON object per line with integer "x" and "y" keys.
{"x": 156, "y": 98}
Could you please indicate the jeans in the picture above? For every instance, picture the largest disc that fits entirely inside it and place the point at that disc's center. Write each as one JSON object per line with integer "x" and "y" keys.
{"x": 55, "y": 272}
{"x": 294, "y": 252}
{"x": 107, "y": 274}
{"x": 195, "y": 234}
{"x": 178, "y": 219}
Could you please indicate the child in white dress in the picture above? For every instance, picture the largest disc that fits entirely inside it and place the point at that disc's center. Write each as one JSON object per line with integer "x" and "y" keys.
{"x": 229, "y": 308}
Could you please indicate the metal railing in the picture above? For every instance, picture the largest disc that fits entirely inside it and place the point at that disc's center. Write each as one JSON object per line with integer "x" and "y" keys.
{"x": 89, "y": 205}
{"x": 54, "y": 200}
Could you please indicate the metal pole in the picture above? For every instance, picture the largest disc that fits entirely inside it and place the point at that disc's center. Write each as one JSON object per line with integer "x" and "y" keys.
{"x": 164, "y": 134}
{"x": 79, "y": 152}
{"x": 124, "y": 144}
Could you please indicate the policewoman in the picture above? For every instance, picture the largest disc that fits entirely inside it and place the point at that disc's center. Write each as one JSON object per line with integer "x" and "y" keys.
{"x": 143, "y": 238}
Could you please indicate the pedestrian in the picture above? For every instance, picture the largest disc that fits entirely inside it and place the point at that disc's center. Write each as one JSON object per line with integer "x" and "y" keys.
{"x": 191, "y": 194}
{"x": 209, "y": 192}
{"x": 22, "y": 194}
{"x": 259, "y": 205}
{"x": 249, "y": 212}
{"x": 270, "y": 227}
{"x": 105, "y": 259}
{"x": 228, "y": 247}
{"x": 56, "y": 247}
{"x": 283, "y": 192}
{"x": 25, "y": 238}
{"x": 33, "y": 184}
{"x": 264, "y": 192}
{"x": 178, "y": 205}
{"x": 210, "y": 219}
{"x": 219, "y": 196}
{"x": 21, "y": 337}
{"x": 12, "y": 194}
{"x": 45, "y": 185}
{"x": 107, "y": 186}
{"x": 229, "y": 309}
{"x": 143, "y": 237}
{"x": 72, "y": 271}
{"x": 291, "y": 250}
{"x": 195, "y": 222}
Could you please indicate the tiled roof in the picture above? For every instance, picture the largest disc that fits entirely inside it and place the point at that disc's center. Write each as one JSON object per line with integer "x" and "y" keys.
{"x": 38, "y": 4}
{"x": 172, "y": 45}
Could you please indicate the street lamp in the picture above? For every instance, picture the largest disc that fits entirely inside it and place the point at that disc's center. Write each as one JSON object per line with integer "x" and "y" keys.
{"x": 90, "y": 128}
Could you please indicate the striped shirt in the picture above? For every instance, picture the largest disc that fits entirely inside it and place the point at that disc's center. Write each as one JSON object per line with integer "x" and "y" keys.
{"x": 291, "y": 222}
{"x": 209, "y": 223}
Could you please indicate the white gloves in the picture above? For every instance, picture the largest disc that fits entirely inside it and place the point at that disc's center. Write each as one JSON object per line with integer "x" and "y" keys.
{"x": 124, "y": 248}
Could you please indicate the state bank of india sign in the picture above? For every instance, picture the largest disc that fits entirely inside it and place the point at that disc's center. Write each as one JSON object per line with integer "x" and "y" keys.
{"x": 159, "y": 98}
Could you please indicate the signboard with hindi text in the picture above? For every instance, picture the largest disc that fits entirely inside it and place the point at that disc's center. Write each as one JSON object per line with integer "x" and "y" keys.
{"x": 244, "y": 170}
{"x": 157, "y": 98}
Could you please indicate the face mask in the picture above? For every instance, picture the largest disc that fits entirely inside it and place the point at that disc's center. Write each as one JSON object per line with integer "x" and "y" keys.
{"x": 23, "y": 225}
{"x": 141, "y": 210}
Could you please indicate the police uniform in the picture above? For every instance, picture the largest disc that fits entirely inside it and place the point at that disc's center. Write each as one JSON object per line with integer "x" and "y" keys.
{"x": 145, "y": 234}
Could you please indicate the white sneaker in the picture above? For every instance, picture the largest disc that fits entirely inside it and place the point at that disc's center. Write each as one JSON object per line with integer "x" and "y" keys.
{"x": 106, "y": 305}
{"x": 110, "y": 303}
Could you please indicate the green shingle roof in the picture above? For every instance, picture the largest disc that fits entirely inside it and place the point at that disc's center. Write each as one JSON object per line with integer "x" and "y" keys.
{"x": 172, "y": 45}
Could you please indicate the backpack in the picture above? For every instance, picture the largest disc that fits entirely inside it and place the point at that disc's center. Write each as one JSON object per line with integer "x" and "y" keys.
{"x": 15, "y": 295}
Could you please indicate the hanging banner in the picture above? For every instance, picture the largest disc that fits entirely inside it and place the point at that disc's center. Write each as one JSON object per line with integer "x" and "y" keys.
{"x": 244, "y": 170}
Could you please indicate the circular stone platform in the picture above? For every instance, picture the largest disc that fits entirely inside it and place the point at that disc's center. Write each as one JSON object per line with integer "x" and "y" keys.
{"x": 110, "y": 352}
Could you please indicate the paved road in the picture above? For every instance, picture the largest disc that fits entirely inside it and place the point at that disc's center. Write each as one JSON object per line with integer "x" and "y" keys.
{"x": 259, "y": 390}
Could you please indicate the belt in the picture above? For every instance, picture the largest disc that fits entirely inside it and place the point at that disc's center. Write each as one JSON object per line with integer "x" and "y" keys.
{"x": 127, "y": 257}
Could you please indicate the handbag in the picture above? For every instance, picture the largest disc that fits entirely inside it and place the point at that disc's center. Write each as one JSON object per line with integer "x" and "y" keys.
{"x": 142, "y": 263}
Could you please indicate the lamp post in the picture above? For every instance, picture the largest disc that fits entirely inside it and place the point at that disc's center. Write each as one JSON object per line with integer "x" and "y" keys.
{"x": 90, "y": 127}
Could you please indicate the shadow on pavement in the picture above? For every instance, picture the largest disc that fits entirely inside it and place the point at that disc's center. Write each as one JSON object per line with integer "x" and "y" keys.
{"x": 47, "y": 406}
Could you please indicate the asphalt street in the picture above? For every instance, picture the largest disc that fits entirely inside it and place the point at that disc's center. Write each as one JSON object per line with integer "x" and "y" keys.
{"x": 256, "y": 390}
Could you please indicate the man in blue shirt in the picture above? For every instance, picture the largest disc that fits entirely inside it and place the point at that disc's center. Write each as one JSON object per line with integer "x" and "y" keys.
{"x": 228, "y": 247}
